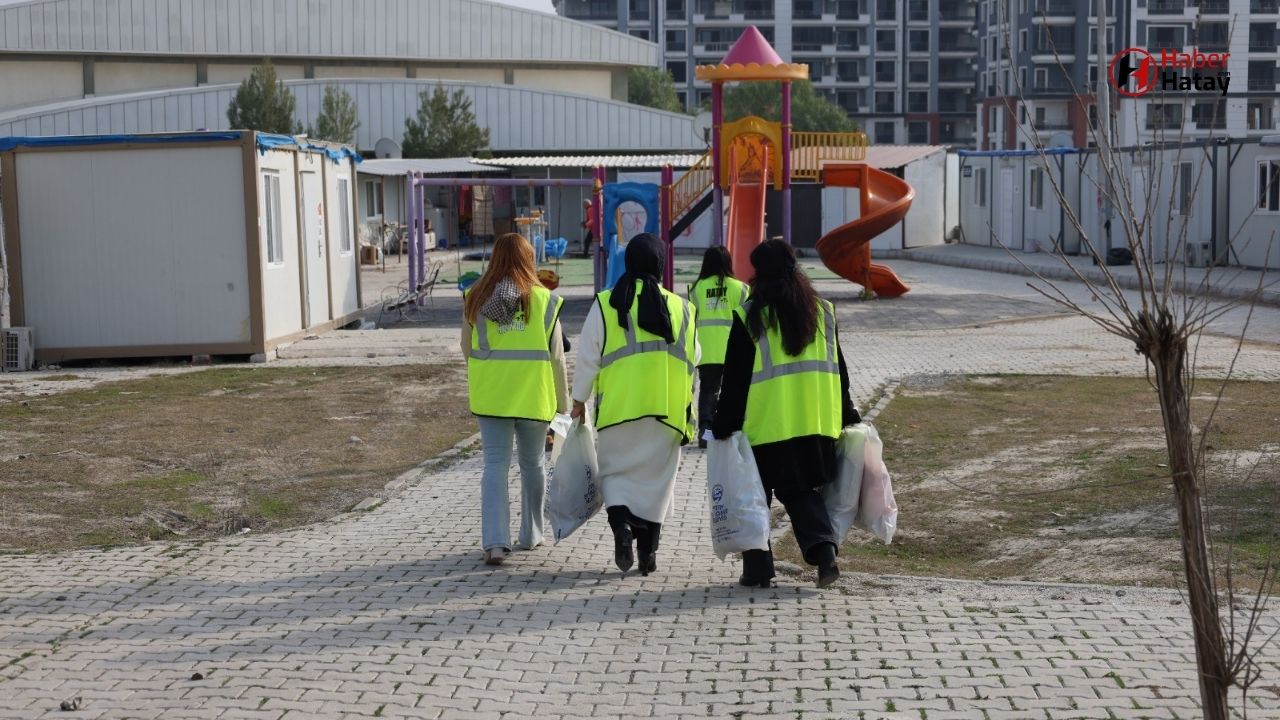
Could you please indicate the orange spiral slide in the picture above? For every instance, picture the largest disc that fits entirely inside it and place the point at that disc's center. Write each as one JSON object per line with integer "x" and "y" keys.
{"x": 846, "y": 251}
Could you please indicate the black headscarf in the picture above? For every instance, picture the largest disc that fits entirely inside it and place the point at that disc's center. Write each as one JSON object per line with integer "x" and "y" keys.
{"x": 773, "y": 260}
{"x": 645, "y": 259}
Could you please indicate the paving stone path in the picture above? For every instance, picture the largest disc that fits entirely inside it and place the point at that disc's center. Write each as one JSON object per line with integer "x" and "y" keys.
{"x": 390, "y": 612}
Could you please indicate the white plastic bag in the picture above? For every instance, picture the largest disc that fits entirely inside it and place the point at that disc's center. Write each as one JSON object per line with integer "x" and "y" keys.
{"x": 841, "y": 496}
{"x": 559, "y": 431}
{"x": 574, "y": 492}
{"x": 877, "y": 510}
{"x": 739, "y": 510}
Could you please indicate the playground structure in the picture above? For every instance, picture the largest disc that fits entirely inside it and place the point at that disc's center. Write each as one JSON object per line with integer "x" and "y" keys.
{"x": 747, "y": 155}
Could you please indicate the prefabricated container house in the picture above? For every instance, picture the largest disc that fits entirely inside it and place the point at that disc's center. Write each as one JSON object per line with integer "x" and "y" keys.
{"x": 219, "y": 243}
{"x": 1207, "y": 203}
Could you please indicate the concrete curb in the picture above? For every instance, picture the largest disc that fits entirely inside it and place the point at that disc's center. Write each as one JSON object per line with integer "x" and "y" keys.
{"x": 404, "y": 479}
{"x": 1010, "y": 266}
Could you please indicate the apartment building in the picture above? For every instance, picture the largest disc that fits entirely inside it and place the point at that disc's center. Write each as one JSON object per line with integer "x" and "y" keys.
{"x": 903, "y": 70}
{"x": 1038, "y": 70}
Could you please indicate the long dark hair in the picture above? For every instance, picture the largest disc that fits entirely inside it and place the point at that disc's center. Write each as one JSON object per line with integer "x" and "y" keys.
{"x": 716, "y": 262}
{"x": 782, "y": 297}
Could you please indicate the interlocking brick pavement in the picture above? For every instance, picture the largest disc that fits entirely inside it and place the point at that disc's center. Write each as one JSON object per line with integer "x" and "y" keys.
{"x": 391, "y": 612}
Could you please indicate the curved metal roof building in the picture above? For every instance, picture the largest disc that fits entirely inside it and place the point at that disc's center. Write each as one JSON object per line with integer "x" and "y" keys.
{"x": 540, "y": 82}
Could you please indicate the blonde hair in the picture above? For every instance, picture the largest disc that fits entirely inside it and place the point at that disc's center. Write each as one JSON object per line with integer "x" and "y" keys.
{"x": 512, "y": 259}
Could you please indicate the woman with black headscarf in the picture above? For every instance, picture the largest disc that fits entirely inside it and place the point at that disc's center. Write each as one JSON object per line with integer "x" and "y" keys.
{"x": 787, "y": 388}
{"x": 636, "y": 357}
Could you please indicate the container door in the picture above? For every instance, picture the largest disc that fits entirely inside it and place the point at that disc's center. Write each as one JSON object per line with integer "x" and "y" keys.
{"x": 1004, "y": 200}
{"x": 317, "y": 268}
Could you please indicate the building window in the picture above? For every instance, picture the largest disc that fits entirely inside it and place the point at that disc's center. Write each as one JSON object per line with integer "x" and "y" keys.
{"x": 886, "y": 71}
{"x": 885, "y": 133}
{"x": 1269, "y": 185}
{"x": 1185, "y": 188}
{"x": 344, "y": 214}
{"x": 918, "y": 101}
{"x": 918, "y": 133}
{"x": 980, "y": 186}
{"x": 886, "y": 9}
{"x": 886, "y": 40}
{"x": 1022, "y": 79}
{"x": 918, "y": 71}
{"x": 1161, "y": 117}
{"x": 1042, "y": 78}
{"x": 1166, "y": 38}
{"x": 1022, "y": 40}
{"x": 676, "y": 40}
{"x": 1210, "y": 114}
{"x": 1040, "y": 116}
{"x": 918, "y": 41}
{"x": 271, "y": 217}
{"x": 679, "y": 72}
{"x": 373, "y": 199}
{"x": 884, "y": 102}
{"x": 1037, "y": 188}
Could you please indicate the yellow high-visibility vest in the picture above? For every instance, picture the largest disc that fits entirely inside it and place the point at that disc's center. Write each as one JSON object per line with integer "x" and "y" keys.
{"x": 714, "y": 300}
{"x": 509, "y": 372}
{"x": 641, "y": 374}
{"x": 793, "y": 397}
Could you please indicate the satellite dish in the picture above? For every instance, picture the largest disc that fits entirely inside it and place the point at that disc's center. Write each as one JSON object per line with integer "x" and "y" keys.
{"x": 702, "y": 127}
{"x": 386, "y": 148}
{"x": 1060, "y": 140}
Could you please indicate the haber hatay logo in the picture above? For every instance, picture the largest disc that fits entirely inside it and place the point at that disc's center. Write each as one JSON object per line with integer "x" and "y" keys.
{"x": 1135, "y": 72}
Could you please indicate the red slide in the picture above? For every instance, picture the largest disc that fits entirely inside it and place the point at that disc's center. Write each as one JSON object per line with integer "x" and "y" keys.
{"x": 846, "y": 251}
{"x": 746, "y": 214}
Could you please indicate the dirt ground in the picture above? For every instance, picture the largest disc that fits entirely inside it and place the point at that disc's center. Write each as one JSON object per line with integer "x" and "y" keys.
{"x": 1065, "y": 479}
{"x": 205, "y": 453}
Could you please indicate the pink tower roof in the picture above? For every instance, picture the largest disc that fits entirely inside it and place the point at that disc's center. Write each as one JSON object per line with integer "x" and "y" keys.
{"x": 750, "y": 59}
{"x": 752, "y": 48}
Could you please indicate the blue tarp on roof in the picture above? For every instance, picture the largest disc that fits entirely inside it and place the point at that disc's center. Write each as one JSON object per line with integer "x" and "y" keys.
{"x": 266, "y": 141}
{"x": 1018, "y": 153}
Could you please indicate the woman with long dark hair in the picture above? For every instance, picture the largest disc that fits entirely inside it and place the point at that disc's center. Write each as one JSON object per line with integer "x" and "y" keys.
{"x": 636, "y": 357}
{"x": 787, "y": 388}
{"x": 715, "y": 295}
{"x": 516, "y": 381}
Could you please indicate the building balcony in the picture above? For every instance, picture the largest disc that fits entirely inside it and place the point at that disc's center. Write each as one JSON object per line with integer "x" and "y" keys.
{"x": 952, "y": 48}
{"x": 1265, "y": 7}
{"x": 1166, "y": 7}
{"x": 1259, "y": 46}
{"x": 1262, "y": 84}
{"x": 1215, "y": 7}
{"x": 813, "y": 48}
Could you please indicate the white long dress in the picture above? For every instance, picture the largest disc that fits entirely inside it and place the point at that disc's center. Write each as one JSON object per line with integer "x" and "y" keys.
{"x": 638, "y": 460}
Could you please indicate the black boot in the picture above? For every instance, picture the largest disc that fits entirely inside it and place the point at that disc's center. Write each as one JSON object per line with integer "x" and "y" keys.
{"x": 622, "y": 556}
{"x": 757, "y": 569}
{"x": 825, "y": 558}
{"x": 646, "y": 534}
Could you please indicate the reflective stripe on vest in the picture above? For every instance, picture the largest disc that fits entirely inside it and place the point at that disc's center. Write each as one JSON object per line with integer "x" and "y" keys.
{"x": 799, "y": 396}
{"x": 646, "y": 377}
{"x": 482, "y": 351}
{"x": 509, "y": 370}
{"x": 715, "y": 314}
{"x": 675, "y": 350}
{"x": 768, "y": 370}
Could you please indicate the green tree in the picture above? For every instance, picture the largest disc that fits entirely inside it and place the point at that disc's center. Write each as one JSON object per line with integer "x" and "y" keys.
{"x": 810, "y": 112}
{"x": 444, "y": 127}
{"x": 263, "y": 103}
{"x": 653, "y": 88}
{"x": 337, "y": 121}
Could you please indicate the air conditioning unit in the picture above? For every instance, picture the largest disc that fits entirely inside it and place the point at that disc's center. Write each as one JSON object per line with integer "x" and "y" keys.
{"x": 1197, "y": 254}
{"x": 17, "y": 349}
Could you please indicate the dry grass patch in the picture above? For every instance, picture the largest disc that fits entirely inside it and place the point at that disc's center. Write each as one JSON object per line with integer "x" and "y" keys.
{"x": 1064, "y": 479}
{"x": 207, "y": 452}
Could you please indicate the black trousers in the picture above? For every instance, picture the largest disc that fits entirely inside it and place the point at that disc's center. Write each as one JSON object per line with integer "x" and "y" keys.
{"x": 709, "y": 377}
{"x": 811, "y": 525}
{"x": 646, "y": 532}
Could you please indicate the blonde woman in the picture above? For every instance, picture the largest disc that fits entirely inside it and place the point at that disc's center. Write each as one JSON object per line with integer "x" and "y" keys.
{"x": 516, "y": 381}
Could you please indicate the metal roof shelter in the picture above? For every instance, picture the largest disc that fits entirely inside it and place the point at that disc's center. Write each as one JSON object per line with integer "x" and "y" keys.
{"x": 438, "y": 166}
{"x": 677, "y": 160}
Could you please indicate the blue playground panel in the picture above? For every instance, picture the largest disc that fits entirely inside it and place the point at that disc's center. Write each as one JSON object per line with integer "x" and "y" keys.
{"x": 643, "y": 194}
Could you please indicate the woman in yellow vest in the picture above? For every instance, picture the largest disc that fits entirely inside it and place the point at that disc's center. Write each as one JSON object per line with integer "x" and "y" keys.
{"x": 786, "y": 387}
{"x": 516, "y": 379}
{"x": 636, "y": 357}
{"x": 715, "y": 295}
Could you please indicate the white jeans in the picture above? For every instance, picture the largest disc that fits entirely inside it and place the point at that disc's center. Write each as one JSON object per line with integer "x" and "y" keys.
{"x": 496, "y": 436}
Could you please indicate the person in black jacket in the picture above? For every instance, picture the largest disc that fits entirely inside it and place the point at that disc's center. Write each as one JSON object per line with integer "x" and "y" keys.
{"x": 783, "y": 302}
